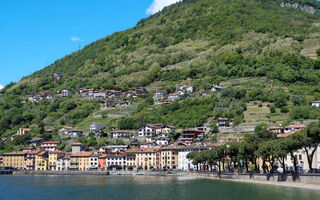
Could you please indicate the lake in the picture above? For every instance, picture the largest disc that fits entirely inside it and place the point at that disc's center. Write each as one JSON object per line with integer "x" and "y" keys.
{"x": 140, "y": 187}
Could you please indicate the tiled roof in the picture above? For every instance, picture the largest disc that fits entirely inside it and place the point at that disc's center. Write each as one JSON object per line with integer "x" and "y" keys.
{"x": 81, "y": 154}
{"x": 288, "y": 133}
{"x": 50, "y": 142}
{"x": 17, "y": 153}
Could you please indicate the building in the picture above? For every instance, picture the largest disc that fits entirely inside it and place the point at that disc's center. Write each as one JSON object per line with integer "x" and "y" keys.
{"x": 174, "y": 97}
{"x": 183, "y": 162}
{"x": 130, "y": 158}
{"x": 63, "y": 163}
{"x": 223, "y": 122}
{"x": 117, "y": 148}
{"x": 94, "y": 161}
{"x": 37, "y": 97}
{"x": 42, "y": 160}
{"x": 102, "y": 162}
{"x": 115, "y": 161}
{"x": 31, "y": 159}
{"x": 189, "y": 136}
{"x": 80, "y": 161}
{"x": 215, "y": 88}
{"x": 57, "y": 76}
{"x": 169, "y": 157}
{"x": 163, "y": 141}
{"x": 77, "y": 147}
{"x": 119, "y": 134}
{"x": 54, "y": 156}
{"x": 14, "y": 159}
{"x": 277, "y": 130}
{"x": 65, "y": 93}
{"x": 159, "y": 95}
{"x": 49, "y": 145}
{"x": 148, "y": 158}
{"x": 36, "y": 142}
{"x": 151, "y": 130}
{"x": 95, "y": 127}
{"x": 69, "y": 133}
{"x": 315, "y": 104}
{"x": 294, "y": 127}
{"x": 23, "y": 131}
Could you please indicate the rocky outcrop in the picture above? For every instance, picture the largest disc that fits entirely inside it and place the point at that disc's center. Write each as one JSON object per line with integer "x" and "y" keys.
{"x": 297, "y": 6}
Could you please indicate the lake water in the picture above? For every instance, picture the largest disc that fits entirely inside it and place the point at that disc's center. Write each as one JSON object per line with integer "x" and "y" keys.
{"x": 140, "y": 187}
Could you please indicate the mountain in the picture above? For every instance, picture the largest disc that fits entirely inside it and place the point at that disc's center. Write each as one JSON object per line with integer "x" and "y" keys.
{"x": 258, "y": 50}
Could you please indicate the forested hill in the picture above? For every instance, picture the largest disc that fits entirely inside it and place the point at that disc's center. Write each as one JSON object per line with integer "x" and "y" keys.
{"x": 264, "y": 56}
{"x": 199, "y": 39}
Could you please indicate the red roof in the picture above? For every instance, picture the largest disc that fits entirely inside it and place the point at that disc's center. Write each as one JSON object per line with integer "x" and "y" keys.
{"x": 288, "y": 133}
{"x": 81, "y": 154}
{"x": 77, "y": 144}
{"x": 50, "y": 142}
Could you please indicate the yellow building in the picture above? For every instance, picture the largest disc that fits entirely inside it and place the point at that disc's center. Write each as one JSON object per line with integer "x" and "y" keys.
{"x": 130, "y": 158}
{"x": 169, "y": 157}
{"x": 80, "y": 161}
{"x": 148, "y": 158}
{"x": 14, "y": 159}
{"x": 42, "y": 161}
{"x": 53, "y": 159}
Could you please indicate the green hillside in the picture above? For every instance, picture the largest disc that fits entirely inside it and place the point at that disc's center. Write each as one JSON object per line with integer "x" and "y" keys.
{"x": 255, "y": 49}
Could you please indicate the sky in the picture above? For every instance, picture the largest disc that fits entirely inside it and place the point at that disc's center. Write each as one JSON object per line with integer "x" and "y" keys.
{"x": 35, "y": 33}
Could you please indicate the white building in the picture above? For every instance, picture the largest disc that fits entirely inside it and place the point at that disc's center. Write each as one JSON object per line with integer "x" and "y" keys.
{"x": 65, "y": 93}
{"x": 163, "y": 141}
{"x": 316, "y": 104}
{"x": 63, "y": 163}
{"x": 23, "y": 131}
{"x": 115, "y": 160}
{"x": 183, "y": 162}
{"x": 49, "y": 145}
{"x": 94, "y": 157}
{"x": 77, "y": 147}
{"x": 119, "y": 134}
{"x": 95, "y": 127}
{"x": 117, "y": 148}
{"x": 69, "y": 132}
{"x": 174, "y": 97}
{"x": 151, "y": 130}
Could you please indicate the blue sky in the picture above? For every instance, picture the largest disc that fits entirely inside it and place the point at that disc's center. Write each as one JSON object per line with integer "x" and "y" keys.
{"x": 35, "y": 33}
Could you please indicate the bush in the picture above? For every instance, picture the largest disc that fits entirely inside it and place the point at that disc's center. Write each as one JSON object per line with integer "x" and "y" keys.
{"x": 260, "y": 105}
{"x": 284, "y": 109}
{"x": 318, "y": 52}
{"x": 272, "y": 109}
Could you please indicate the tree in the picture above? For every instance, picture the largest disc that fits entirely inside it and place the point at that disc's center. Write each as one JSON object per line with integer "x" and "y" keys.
{"x": 126, "y": 123}
{"x": 318, "y": 52}
{"x": 311, "y": 140}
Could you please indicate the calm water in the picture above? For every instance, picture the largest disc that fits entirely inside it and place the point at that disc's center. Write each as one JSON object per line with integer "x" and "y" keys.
{"x": 145, "y": 188}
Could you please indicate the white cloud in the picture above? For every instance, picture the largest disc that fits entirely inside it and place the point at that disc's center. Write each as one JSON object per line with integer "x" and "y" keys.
{"x": 158, "y": 5}
{"x": 75, "y": 39}
{"x": 1, "y": 87}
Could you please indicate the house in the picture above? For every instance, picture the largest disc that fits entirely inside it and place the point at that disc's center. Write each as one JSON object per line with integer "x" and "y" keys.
{"x": 163, "y": 141}
{"x": 23, "y": 130}
{"x": 36, "y": 142}
{"x": 114, "y": 161}
{"x": 147, "y": 145}
{"x": 102, "y": 162}
{"x": 107, "y": 103}
{"x": 100, "y": 94}
{"x": 54, "y": 156}
{"x": 166, "y": 130}
{"x": 65, "y": 93}
{"x": 69, "y": 132}
{"x": 42, "y": 159}
{"x": 63, "y": 163}
{"x": 184, "y": 163}
{"x": 189, "y": 136}
{"x": 119, "y": 134}
{"x": 14, "y": 159}
{"x": 294, "y": 127}
{"x": 95, "y": 127}
{"x": 94, "y": 161}
{"x": 215, "y": 88}
{"x": 130, "y": 158}
{"x": 174, "y": 97}
{"x": 77, "y": 147}
{"x": 148, "y": 158}
{"x": 80, "y": 161}
{"x": 31, "y": 159}
{"x": 169, "y": 157}
{"x": 117, "y": 148}
{"x": 159, "y": 95}
{"x": 223, "y": 122}
{"x": 49, "y": 145}
{"x": 57, "y": 76}
{"x": 315, "y": 104}
{"x": 151, "y": 130}
{"x": 37, "y": 97}
{"x": 277, "y": 130}
{"x": 50, "y": 131}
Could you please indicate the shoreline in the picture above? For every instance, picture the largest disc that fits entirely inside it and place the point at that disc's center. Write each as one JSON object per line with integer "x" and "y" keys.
{"x": 299, "y": 185}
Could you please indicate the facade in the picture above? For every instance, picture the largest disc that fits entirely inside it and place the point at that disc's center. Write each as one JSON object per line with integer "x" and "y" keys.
{"x": 174, "y": 97}
{"x": 80, "y": 161}
{"x": 31, "y": 159}
{"x": 65, "y": 93}
{"x": 14, "y": 159}
{"x": 163, "y": 141}
{"x": 69, "y": 133}
{"x": 189, "y": 136}
{"x": 54, "y": 156}
{"x": 102, "y": 162}
{"x": 130, "y": 158}
{"x": 63, "y": 163}
{"x": 36, "y": 142}
{"x": 119, "y": 134}
{"x": 23, "y": 131}
{"x": 42, "y": 161}
{"x": 49, "y": 145}
{"x": 169, "y": 157}
{"x": 184, "y": 163}
{"x": 148, "y": 158}
{"x": 117, "y": 148}
{"x": 95, "y": 127}
{"x": 223, "y": 122}
{"x": 115, "y": 161}
{"x": 315, "y": 104}
{"x": 151, "y": 130}
{"x": 94, "y": 161}
{"x": 77, "y": 147}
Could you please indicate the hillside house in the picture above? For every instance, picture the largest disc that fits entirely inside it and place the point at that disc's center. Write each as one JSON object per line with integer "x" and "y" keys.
{"x": 36, "y": 142}
{"x": 77, "y": 147}
{"x": 159, "y": 95}
{"x": 65, "y": 93}
{"x": 189, "y": 136}
{"x": 223, "y": 122}
{"x": 315, "y": 104}
{"x": 23, "y": 130}
{"x": 96, "y": 127}
{"x": 117, "y": 148}
{"x": 163, "y": 141}
{"x": 174, "y": 96}
{"x": 49, "y": 145}
{"x": 57, "y": 76}
{"x": 41, "y": 96}
{"x": 69, "y": 132}
{"x": 215, "y": 88}
{"x": 119, "y": 134}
